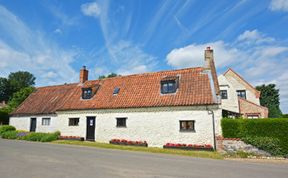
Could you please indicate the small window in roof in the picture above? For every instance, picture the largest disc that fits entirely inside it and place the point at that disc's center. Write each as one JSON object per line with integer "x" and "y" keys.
{"x": 116, "y": 91}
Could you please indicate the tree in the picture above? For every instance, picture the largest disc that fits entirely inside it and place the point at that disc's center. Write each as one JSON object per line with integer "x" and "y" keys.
{"x": 19, "y": 97}
{"x": 20, "y": 79}
{"x": 15, "y": 82}
{"x": 4, "y": 89}
{"x": 270, "y": 98}
{"x": 108, "y": 76}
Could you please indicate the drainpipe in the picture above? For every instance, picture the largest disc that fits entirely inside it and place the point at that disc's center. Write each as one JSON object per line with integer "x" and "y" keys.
{"x": 213, "y": 124}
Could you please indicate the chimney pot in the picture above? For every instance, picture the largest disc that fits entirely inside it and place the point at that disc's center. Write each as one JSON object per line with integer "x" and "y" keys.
{"x": 208, "y": 48}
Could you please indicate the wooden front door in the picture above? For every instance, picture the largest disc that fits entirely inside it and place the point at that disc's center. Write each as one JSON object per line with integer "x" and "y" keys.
{"x": 90, "y": 134}
{"x": 33, "y": 124}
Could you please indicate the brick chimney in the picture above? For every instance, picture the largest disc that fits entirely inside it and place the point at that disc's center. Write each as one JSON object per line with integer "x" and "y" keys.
{"x": 210, "y": 65}
{"x": 83, "y": 74}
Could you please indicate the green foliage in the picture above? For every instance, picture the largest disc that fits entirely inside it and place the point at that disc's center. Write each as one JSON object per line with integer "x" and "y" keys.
{"x": 6, "y": 128}
{"x": 269, "y": 144}
{"x": 108, "y": 76}
{"x": 15, "y": 82}
{"x": 285, "y": 115}
{"x": 4, "y": 89}
{"x": 4, "y": 115}
{"x": 19, "y": 97}
{"x": 231, "y": 128}
{"x": 41, "y": 137}
{"x": 270, "y": 98}
{"x": 20, "y": 79}
{"x": 12, "y": 134}
{"x": 9, "y": 132}
{"x": 276, "y": 129}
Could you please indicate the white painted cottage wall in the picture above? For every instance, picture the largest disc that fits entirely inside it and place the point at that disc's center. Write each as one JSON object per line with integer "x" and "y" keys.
{"x": 231, "y": 103}
{"x": 250, "y": 96}
{"x": 157, "y": 126}
{"x": 23, "y": 123}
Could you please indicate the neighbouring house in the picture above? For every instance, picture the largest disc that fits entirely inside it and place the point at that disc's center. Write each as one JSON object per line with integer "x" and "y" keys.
{"x": 239, "y": 98}
{"x": 175, "y": 106}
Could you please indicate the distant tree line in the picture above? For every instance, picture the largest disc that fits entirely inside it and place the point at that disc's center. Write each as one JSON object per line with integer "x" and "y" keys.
{"x": 108, "y": 76}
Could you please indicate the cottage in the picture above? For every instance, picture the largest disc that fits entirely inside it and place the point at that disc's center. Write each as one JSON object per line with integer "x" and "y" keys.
{"x": 175, "y": 106}
{"x": 239, "y": 98}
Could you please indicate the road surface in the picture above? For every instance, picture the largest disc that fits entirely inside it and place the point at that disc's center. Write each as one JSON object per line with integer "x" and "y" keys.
{"x": 21, "y": 159}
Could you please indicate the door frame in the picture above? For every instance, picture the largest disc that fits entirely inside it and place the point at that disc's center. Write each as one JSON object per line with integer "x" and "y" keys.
{"x": 90, "y": 137}
{"x": 31, "y": 122}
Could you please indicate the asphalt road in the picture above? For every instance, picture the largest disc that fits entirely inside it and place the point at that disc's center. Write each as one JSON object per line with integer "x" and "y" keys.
{"x": 39, "y": 160}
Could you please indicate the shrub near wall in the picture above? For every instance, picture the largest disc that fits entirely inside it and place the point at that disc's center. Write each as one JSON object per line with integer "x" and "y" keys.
{"x": 9, "y": 132}
{"x": 252, "y": 128}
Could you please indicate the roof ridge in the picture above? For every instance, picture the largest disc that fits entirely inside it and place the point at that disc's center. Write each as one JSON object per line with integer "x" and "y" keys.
{"x": 148, "y": 73}
{"x": 57, "y": 85}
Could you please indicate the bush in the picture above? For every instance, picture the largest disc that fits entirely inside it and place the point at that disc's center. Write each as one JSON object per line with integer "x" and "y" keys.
{"x": 275, "y": 129}
{"x": 41, "y": 137}
{"x": 271, "y": 145}
{"x": 6, "y": 128}
{"x": 12, "y": 134}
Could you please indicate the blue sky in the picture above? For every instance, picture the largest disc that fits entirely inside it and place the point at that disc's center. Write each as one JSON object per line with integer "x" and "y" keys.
{"x": 52, "y": 39}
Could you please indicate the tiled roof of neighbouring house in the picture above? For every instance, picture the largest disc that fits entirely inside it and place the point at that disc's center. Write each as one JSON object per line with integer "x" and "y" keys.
{"x": 139, "y": 90}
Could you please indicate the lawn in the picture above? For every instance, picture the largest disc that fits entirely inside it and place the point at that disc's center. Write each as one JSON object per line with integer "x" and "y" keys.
{"x": 200, "y": 154}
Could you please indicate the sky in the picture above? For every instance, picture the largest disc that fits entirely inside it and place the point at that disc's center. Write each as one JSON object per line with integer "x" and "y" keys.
{"x": 53, "y": 39}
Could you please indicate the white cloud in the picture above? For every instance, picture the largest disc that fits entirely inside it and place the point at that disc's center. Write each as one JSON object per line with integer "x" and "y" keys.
{"x": 254, "y": 36}
{"x": 91, "y": 9}
{"x": 193, "y": 55}
{"x": 279, "y": 5}
{"x": 131, "y": 59}
{"x": 58, "y": 30}
{"x": 31, "y": 51}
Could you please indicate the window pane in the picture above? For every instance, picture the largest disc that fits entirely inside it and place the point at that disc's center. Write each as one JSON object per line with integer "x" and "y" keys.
{"x": 187, "y": 125}
{"x": 223, "y": 94}
{"x": 45, "y": 121}
{"x": 241, "y": 93}
{"x": 168, "y": 87}
{"x": 73, "y": 121}
{"x": 121, "y": 122}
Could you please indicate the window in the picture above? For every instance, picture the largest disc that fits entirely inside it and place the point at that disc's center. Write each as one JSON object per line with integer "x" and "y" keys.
{"x": 46, "y": 121}
{"x": 121, "y": 122}
{"x": 86, "y": 93}
{"x": 169, "y": 86}
{"x": 224, "y": 94}
{"x": 241, "y": 93}
{"x": 252, "y": 116}
{"x": 116, "y": 91}
{"x": 73, "y": 121}
{"x": 187, "y": 125}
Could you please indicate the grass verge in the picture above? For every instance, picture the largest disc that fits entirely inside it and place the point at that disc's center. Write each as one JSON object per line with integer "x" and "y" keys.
{"x": 199, "y": 154}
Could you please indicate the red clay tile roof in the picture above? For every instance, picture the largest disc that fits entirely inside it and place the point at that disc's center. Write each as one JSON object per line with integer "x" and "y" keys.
{"x": 45, "y": 100}
{"x": 139, "y": 90}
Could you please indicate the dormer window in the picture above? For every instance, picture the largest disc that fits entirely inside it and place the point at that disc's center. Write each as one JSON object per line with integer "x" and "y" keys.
{"x": 86, "y": 93}
{"x": 168, "y": 86}
{"x": 116, "y": 91}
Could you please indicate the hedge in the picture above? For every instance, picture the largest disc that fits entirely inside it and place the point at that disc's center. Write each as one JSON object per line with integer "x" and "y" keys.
{"x": 254, "y": 129}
